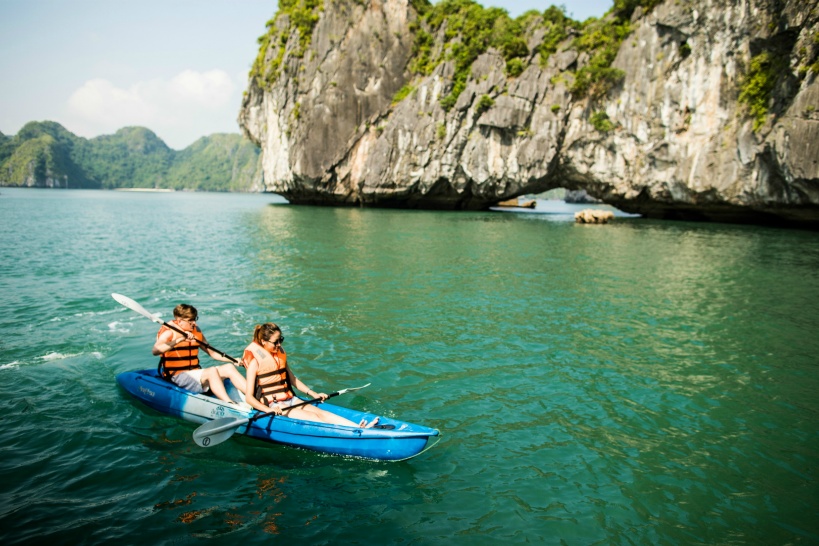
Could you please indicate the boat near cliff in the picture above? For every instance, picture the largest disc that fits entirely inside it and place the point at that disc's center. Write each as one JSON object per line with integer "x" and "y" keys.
{"x": 517, "y": 203}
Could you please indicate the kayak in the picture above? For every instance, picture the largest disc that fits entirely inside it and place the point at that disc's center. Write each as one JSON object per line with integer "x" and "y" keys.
{"x": 391, "y": 440}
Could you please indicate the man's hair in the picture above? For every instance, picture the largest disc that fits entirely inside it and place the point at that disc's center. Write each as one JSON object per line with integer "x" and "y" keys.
{"x": 185, "y": 311}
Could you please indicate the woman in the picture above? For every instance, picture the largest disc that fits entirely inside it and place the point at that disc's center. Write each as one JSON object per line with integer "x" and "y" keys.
{"x": 270, "y": 381}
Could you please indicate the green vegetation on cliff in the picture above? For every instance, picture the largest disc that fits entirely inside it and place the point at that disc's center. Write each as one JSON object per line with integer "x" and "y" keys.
{"x": 45, "y": 154}
{"x": 601, "y": 40}
{"x": 459, "y": 31}
{"x": 557, "y": 27}
{"x": 469, "y": 30}
{"x": 759, "y": 83}
{"x": 298, "y": 15}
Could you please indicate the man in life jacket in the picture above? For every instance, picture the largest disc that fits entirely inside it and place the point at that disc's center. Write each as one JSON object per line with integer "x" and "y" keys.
{"x": 179, "y": 360}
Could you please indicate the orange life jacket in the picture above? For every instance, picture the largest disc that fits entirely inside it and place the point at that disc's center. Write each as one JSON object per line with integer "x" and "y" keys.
{"x": 183, "y": 357}
{"x": 272, "y": 383}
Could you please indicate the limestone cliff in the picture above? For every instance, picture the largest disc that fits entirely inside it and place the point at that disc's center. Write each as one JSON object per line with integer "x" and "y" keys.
{"x": 708, "y": 110}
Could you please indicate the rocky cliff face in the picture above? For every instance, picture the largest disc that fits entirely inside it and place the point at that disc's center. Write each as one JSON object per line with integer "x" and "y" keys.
{"x": 676, "y": 136}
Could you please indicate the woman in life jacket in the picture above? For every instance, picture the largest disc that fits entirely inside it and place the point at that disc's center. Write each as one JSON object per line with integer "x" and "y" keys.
{"x": 179, "y": 360}
{"x": 270, "y": 381}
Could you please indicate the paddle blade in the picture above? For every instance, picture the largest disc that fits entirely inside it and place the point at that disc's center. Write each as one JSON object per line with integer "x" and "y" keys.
{"x": 351, "y": 389}
{"x": 134, "y": 306}
{"x": 217, "y": 431}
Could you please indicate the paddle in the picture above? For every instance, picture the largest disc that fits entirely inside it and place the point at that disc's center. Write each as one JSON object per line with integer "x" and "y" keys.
{"x": 134, "y": 306}
{"x": 217, "y": 431}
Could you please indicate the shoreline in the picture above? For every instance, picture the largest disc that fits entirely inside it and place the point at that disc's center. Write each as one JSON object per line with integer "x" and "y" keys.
{"x": 153, "y": 190}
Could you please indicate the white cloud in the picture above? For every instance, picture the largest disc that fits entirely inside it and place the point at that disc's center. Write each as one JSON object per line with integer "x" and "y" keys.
{"x": 190, "y": 105}
{"x": 211, "y": 89}
{"x": 99, "y": 101}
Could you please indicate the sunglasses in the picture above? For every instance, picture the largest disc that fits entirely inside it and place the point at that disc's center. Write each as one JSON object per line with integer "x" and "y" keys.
{"x": 278, "y": 341}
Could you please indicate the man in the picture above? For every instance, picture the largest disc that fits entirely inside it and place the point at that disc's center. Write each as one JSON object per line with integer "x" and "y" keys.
{"x": 180, "y": 357}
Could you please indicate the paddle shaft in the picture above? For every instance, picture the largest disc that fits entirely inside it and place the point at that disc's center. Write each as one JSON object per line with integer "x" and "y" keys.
{"x": 214, "y": 434}
{"x": 314, "y": 400}
{"x": 201, "y": 343}
{"x": 134, "y": 306}
{"x": 217, "y": 431}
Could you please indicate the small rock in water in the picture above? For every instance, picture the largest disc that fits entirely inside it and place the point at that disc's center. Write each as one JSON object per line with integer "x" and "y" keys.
{"x": 593, "y": 216}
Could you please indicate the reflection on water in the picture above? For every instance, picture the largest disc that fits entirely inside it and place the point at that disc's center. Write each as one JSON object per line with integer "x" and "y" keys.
{"x": 641, "y": 381}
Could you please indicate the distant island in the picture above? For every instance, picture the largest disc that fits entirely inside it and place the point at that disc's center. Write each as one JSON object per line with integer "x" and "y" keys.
{"x": 46, "y": 155}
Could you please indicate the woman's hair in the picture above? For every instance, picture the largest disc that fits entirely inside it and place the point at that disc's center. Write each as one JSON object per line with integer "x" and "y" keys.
{"x": 185, "y": 311}
{"x": 262, "y": 332}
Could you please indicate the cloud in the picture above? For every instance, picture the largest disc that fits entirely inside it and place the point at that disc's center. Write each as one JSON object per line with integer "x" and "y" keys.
{"x": 210, "y": 89}
{"x": 188, "y": 106}
{"x": 99, "y": 101}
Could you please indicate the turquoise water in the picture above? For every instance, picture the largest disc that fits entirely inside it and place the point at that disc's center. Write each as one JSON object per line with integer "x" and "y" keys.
{"x": 634, "y": 383}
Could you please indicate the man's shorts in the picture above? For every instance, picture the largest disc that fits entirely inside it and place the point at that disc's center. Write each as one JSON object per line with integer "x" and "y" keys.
{"x": 190, "y": 380}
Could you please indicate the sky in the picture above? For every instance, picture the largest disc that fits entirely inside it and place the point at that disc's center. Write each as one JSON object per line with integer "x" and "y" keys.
{"x": 177, "y": 67}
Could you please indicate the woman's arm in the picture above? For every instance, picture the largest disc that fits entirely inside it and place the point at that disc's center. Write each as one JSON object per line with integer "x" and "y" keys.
{"x": 296, "y": 382}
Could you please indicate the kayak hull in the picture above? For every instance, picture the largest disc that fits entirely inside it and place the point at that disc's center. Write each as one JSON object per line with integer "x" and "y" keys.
{"x": 401, "y": 442}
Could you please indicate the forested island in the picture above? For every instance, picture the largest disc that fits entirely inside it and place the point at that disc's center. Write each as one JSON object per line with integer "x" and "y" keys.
{"x": 46, "y": 155}
{"x": 694, "y": 110}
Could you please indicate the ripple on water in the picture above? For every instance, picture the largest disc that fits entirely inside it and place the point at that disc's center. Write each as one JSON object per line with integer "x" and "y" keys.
{"x": 643, "y": 382}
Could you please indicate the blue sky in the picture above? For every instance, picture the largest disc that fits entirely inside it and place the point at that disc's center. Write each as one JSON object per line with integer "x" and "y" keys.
{"x": 177, "y": 67}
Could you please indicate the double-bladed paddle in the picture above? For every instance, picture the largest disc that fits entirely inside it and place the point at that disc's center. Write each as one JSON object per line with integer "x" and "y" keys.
{"x": 134, "y": 306}
{"x": 217, "y": 431}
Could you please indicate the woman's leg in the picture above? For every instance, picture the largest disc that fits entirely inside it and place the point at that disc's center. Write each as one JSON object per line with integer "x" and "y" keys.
{"x": 312, "y": 413}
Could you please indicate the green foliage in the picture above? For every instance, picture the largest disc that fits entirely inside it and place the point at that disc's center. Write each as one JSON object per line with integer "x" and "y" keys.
{"x": 219, "y": 162}
{"x": 45, "y": 154}
{"x": 601, "y": 122}
{"x": 515, "y": 68}
{"x": 558, "y": 26}
{"x": 131, "y": 157}
{"x": 402, "y": 93}
{"x": 555, "y": 108}
{"x": 814, "y": 67}
{"x": 625, "y": 8}
{"x": 469, "y": 30}
{"x": 484, "y": 103}
{"x": 298, "y": 15}
{"x": 421, "y": 6}
{"x": 601, "y": 39}
{"x": 758, "y": 86}
{"x": 441, "y": 131}
{"x": 41, "y": 155}
{"x": 422, "y": 61}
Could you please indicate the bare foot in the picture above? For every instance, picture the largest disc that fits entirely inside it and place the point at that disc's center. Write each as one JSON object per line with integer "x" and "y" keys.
{"x": 371, "y": 424}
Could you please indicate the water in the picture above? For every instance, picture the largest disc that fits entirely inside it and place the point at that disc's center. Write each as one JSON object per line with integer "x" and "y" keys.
{"x": 635, "y": 383}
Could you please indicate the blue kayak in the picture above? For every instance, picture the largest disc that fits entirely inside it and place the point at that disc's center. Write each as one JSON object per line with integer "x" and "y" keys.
{"x": 397, "y": 440}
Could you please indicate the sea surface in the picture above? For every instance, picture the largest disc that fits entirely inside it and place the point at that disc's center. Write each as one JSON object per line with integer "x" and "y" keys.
{"x": 641, "y": 382}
